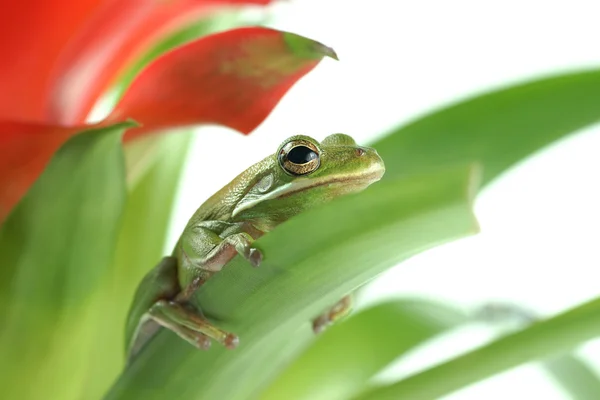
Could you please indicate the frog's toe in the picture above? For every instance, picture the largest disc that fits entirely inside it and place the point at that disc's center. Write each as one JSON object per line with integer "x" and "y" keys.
{"x": 255, "y": 257}
{"x": 320, "y": 323}
{"x": 231, "y": 341}
{"x": 203, "y": 342}
{"x": 341, "y": 309}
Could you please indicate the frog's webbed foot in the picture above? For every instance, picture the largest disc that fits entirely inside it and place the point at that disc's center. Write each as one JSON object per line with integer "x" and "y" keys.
{"x": 341, "y": 309}
{"x": 190, "y": 325}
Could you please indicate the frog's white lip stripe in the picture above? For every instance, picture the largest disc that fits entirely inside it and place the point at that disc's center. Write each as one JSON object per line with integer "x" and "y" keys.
{"x": 305, "y": 183}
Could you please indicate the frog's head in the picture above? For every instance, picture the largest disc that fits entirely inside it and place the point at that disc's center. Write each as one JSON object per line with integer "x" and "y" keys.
{"x": 304, "y": 173}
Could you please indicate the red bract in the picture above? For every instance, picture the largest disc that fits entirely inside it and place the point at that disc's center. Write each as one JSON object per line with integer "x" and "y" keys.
{"x": 250, "y": 69}
{"x": 90, "y": 62}
{"x": 58, "y": 54}
{"x": 232, "y": 78}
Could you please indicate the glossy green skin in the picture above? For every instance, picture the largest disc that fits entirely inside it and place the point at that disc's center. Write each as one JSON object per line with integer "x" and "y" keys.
{"x": 255, "y": 202}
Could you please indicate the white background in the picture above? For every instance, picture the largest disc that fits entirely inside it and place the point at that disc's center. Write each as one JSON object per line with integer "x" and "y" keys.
{"x": 399, "y": 59}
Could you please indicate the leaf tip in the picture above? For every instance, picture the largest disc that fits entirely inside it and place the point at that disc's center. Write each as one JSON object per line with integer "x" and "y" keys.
{"x": 308, "y": 48}
{"x": 330, "y": 52}
{"x": 131, "y": 123}
{"x": 115, "y": 120}
{"x": 475, "y": 180}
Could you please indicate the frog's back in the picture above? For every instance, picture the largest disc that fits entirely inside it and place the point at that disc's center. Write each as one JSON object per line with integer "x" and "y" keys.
{"x": 159, "y": 283}
{"x": 220, "y": 206}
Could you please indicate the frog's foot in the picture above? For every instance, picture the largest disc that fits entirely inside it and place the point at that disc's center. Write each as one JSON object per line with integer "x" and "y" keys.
{"x": 341, "y": 309}
{"x": 196, "y": 339}
{"x": 238, "y": 243}
{"x": 243, "y": 245}
{"x": 190, "y": 325}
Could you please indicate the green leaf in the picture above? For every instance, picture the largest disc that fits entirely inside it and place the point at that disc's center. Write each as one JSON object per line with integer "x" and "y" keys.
{"x": 341, "y": 362}
{"x": 575, "y": 376}
{"x": 55, "y": 249}
{"x": 140, "y": 246}
{"x": 310, "y": 262}
{"x": 496, "y": 129}
{"x": 540, "y": 341}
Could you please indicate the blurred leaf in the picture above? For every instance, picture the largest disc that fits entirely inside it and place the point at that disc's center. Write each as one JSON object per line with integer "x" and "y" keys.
{"x": 497, "y": 129}
{"x": 310, "y": 262}
{"x": 340, "y": 363}
{"x": 541, "y": 340}
{"x": 55, "y": 249}
{"x": 25, "y": 149}
{"x": 140, "y": 246}
{"x": 575, "y": 376}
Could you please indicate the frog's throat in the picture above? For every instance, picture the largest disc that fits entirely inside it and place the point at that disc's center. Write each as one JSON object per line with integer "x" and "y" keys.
{"x": 360, "y": 181}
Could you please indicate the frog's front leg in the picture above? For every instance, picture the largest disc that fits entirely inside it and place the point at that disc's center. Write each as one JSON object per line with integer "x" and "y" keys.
{"x": 341, "y": 309}
{"x": 204, "y": 248}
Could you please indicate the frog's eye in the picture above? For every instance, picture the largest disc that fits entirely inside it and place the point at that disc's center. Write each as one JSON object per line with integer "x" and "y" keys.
{"x": 299, "y": 157}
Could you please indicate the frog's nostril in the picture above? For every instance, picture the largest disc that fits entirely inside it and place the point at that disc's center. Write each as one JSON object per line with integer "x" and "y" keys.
{"x": 360, "y": 151}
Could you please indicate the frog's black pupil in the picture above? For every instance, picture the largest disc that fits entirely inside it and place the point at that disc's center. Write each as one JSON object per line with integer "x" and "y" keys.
{"x": 301, "y": 155}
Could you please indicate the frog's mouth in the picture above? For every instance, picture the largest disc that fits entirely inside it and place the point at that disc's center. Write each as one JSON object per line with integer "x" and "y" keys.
{"x": 352, "y": 183}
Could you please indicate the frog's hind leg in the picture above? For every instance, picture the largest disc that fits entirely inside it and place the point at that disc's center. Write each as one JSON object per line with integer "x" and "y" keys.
{"x": 160, "y": 283}
{"x": 341, "y": 309}
{"x": 188, "y": 323}
{"x": 196, "y": 339}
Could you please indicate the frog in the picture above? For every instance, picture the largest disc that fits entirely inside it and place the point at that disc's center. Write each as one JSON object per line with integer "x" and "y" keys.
{"x": 302, "y": 174}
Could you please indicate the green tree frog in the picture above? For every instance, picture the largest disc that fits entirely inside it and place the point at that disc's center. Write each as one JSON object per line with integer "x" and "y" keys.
{"x": 302, "y": 174}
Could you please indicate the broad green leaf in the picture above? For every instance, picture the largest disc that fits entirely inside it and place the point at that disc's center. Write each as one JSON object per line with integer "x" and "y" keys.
{"x": 341, "y": 362}
{"x": 542, "y": 340}
{"x": 139, "y": 247}
{"x": 497, "y": 129}
{"x": 310, "y": 262}
{"x": 55, "y": 250}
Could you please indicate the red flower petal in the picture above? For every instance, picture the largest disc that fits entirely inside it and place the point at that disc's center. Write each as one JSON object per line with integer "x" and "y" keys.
{"x": 233, "y": 78}
{"x": 118, "y": 32}
{"x": 32, "y": 34}
{"x": 83, "y": 44}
